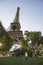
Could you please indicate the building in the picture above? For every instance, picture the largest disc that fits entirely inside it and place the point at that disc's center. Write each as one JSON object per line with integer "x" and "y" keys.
{"x": 15, "y": 27}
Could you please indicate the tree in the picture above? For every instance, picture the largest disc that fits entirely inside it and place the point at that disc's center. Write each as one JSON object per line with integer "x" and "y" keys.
{"x": 41, "y": 40}
{"x": 36, "y": 39}
{"x": 5, "y": 40}
{"x": 22, "y": 43}
{"x": 33, "y": 36}
{"x": 26, "y": 37}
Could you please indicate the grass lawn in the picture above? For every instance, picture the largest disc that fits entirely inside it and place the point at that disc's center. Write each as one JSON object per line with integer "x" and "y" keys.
{"x": 20, "y": 61}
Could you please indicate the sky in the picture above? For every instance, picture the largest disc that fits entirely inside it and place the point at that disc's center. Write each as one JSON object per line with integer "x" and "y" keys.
{"x": 31, "y": 14}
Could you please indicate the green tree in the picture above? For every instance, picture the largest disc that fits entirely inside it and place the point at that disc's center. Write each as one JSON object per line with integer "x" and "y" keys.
{"x": 5, "y": 40}
{"x": 41, "y": 40}
{"x": 26, "y": 37}
{"x": 35, "y": 37}
{"x": 22, "y": 43}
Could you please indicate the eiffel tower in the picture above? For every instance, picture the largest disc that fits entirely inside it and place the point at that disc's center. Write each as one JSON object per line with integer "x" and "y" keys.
{"x": 14, "y": 29}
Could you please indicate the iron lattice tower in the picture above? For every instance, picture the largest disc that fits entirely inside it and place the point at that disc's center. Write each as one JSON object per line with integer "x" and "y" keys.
{"x": 14, "y": 29}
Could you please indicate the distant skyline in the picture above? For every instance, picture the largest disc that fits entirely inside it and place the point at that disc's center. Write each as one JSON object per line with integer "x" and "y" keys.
{"x": 31, "y": 13}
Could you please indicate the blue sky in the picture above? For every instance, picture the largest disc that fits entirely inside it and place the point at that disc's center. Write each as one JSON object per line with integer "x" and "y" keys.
{"x": 31, "y": 13}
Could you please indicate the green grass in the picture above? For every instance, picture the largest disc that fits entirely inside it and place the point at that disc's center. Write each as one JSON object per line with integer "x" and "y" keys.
{"x": 21, "y": 61}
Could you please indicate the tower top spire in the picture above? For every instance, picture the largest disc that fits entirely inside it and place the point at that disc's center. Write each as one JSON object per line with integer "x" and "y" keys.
{"x": 16, "y": 19}
{"x": 18, "y": 8}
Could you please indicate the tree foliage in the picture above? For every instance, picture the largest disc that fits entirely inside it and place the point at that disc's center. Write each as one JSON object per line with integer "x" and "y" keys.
{"x": 33, "y": 36}
{"x": 22, "y": 43}
{"x": 5, "y": 39}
